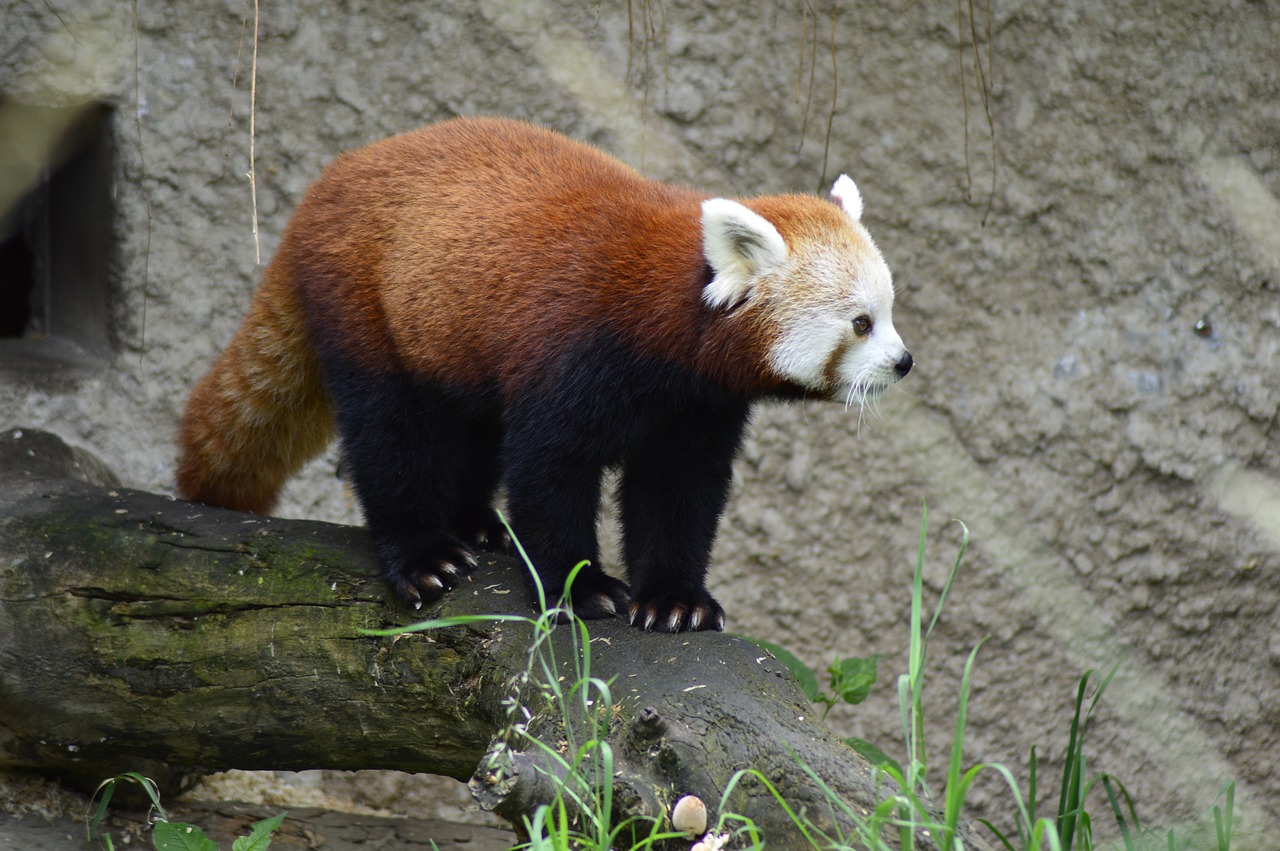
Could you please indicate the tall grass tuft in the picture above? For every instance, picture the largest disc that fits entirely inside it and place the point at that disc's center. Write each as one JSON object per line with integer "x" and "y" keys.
{"x": 580, "y": 771}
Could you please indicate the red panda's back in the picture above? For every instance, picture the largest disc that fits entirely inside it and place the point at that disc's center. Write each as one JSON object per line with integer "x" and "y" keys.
{"x": 470, "y": 250}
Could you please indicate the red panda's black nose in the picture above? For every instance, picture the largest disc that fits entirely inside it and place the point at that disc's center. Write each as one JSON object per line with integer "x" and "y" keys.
{"x": 903, "y": 366}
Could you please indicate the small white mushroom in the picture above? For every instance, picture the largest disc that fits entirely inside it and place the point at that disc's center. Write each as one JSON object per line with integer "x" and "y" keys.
{"x": 690, "y": 815}
{"x": 712, "y": 842}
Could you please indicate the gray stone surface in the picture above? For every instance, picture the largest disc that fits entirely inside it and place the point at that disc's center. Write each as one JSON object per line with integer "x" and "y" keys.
{"x": 1097, "y": 338}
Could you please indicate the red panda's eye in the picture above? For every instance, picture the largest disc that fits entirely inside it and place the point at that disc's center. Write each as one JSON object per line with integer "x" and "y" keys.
{"x": 862, "y": 325}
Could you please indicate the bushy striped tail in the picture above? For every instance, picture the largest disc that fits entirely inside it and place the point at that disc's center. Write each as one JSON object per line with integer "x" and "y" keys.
{"x": 261, "y": 412}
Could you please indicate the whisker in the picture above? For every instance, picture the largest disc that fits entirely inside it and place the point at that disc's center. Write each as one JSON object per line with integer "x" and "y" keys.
{"x": 866, "y": 390}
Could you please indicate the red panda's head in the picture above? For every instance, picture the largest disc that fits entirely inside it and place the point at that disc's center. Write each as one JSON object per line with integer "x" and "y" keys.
{"x": 805, "y": 273}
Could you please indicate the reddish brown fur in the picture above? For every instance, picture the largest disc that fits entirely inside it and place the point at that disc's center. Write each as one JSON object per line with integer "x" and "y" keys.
{"x": 261, "y": 411}
{"x": 468, "y": 251}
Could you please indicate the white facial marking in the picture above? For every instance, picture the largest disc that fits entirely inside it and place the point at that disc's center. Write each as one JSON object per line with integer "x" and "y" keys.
{"x": 740, "y": 246}
{"x": 819, "y": 346}
{"x": 834, "y": 309}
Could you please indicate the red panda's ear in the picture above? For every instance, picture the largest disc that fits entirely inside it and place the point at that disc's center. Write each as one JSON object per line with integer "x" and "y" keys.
{"x": 738, "y": 244}
{"x": 845, "y": 193}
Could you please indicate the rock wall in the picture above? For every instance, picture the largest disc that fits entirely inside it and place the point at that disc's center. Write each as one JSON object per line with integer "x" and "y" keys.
{"x": 1096, "y": 324}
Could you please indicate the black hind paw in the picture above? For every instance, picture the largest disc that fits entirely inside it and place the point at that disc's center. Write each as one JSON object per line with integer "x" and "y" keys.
{"x": 672, "y": 613}
{"x": 484, "y": 530}
{"x": 594, "y": 595}
{"x": 429, "y": 572}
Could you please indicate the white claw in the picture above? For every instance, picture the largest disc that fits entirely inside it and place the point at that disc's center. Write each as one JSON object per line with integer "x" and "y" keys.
{"x": 673, "y": 622}
{"x": 434, "y": 581}
{"x": 695, "y": 619}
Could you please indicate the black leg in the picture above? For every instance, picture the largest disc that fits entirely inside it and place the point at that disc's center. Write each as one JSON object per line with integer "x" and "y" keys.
{"x": 552, "y": 469}
{"x": 675, "y": 483}
{"x": 407, "y": 448}
{"x": 475, "y": 520}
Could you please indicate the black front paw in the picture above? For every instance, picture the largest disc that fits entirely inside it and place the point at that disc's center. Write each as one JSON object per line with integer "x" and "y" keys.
{"x": 677, "y": 613}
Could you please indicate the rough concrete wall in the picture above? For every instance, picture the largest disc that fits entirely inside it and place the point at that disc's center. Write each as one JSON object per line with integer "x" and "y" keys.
{"x": 1097, "y": 385}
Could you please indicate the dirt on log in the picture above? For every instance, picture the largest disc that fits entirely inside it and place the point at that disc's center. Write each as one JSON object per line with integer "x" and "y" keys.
{"x": 143, "y": 633}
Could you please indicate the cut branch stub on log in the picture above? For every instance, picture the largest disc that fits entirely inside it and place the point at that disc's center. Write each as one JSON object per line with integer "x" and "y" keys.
{"x": 140, "y": 632}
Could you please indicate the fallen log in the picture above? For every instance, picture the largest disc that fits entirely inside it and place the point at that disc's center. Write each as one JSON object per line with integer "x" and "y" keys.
{"x": 143, "y": 633}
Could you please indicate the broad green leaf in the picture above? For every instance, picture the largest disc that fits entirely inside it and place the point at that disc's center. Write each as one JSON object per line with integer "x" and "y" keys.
{"x": 852, "y": 679}
{"x": 260, "y": 838}
{"x": 874, "y": 755}
{"x": 176, "y": 836}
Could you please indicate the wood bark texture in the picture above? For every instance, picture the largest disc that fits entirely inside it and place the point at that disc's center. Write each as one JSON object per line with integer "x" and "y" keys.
{"x": 143, "y": 633}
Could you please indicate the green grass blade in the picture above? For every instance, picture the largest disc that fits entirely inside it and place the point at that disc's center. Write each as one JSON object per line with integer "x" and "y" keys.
{"x": 539, "y": 592}
{"x": 910, "y": 697}
{"x": 1044, "y": 833}
{"x": 1102, "y": 686}
{"x": 103, "y": 794}
{"x": 1069, "y": 797}
{"x": 442, "y": 623}
{"x": 1004, "y": 840}
{"x": 1031, "y": 797}
{"x": 1037, "y": 831}
{"x": 107, "y": 789}
{"x": 1125, "y": 836}
{"x": 1222, "y": 817}
{"x": 951, "y": 577}
{"x": 957, "y": 784}
{"x": 915, "y": 649}
{"x": 797, "y": 820}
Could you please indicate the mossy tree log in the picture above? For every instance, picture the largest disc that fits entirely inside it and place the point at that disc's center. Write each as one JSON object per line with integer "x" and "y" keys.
{"x": 140, "y": 632}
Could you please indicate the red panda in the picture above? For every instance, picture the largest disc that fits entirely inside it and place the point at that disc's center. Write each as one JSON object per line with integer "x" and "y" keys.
{"x": 484, "y": 302}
